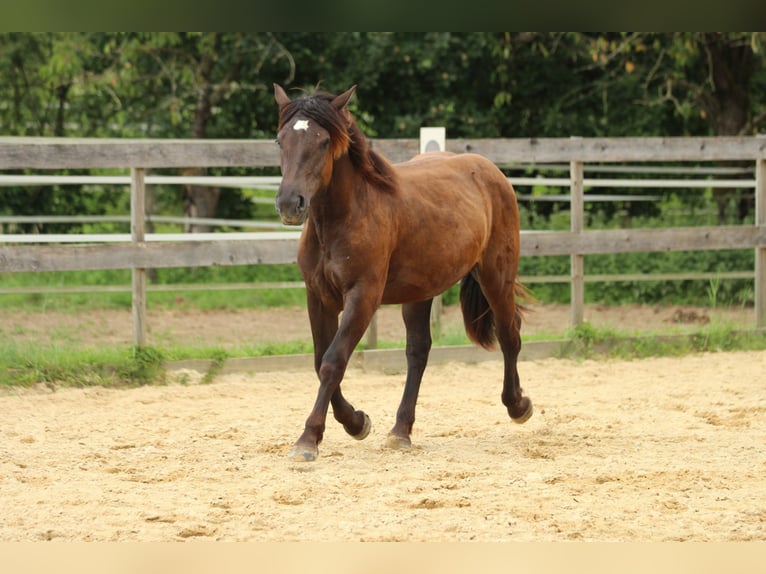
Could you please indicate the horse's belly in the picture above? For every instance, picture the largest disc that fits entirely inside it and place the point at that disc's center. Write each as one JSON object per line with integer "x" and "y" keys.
{"x": 424, "y": 279}
{"x": 408, "y": 293}
{"x": 434, "y": 254}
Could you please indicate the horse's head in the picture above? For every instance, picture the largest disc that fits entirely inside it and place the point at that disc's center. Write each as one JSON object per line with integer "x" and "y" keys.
{"x": 313, "y": 131}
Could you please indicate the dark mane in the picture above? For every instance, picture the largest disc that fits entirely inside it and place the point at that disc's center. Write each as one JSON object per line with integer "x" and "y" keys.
{"x": 345, "y": 137}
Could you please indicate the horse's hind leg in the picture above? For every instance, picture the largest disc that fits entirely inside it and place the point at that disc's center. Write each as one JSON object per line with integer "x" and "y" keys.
{"x": 500, "y": 293}
{"x": 519, "y": 407}
{"x": 417, "y": 320}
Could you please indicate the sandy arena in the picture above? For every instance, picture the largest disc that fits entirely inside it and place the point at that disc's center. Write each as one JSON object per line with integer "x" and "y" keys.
{"x": 656, "y": 449}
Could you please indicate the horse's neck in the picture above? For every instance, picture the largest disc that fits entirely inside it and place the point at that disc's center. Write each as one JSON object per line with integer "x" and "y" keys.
{"x": 344, "y": 188}
{"x": 332, "y": 207}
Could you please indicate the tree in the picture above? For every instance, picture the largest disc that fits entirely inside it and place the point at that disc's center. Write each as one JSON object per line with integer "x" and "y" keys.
{"x": 190, "y": 77}
{"x": 46, "y": 93}
{"x": 218, "y": 85}
{"x": 714, "y": 75}
{"x": 686, "y": 83}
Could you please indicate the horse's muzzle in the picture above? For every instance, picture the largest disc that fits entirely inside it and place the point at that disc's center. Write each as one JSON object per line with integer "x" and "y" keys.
{"x": 293, "y": 208}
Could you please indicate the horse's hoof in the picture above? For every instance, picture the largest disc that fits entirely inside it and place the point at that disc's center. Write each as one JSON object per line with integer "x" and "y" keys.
{"x": 527, "y": 413}
{"x": 303, "y": 453}
{"x": 398, "y": 442}
{"x": 366, "y": 428}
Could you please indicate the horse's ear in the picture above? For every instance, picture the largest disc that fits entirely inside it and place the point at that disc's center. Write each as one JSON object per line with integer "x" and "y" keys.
{"x": 280, "y": 96}
{"x": 339, "y": 102}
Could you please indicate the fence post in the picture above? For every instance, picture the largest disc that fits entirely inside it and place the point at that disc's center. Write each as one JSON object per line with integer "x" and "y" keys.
{"x": 577, "y": 261}
{"x": 372, "y": 333}
{"x": 434, "y": 139}
{"x": 760, "y": 252}
{"x": 431, "y": 139}
{"x": 137, "y": 235}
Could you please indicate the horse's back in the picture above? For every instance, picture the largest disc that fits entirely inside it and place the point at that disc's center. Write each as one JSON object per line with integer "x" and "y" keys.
{"x": 451, "y": 206}
{"x": 438, "y": 159}
{"x": 466, "y": 179}
{"x": 455, "y": 167}
{"x": 425, "y": 157}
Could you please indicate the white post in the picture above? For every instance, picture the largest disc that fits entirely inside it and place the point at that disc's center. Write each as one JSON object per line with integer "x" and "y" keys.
{"x": 577, "y": 261}
{"x": 434, "y": 139}
{"x": 137, "y": 228}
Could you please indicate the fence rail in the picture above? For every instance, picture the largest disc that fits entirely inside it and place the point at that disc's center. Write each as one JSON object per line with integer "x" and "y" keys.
{"x": 141, "y": 251}
{"x": 90, "y": 153}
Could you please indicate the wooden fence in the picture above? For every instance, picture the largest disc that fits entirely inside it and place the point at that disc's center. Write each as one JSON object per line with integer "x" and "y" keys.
{"x": 145, "y": 251}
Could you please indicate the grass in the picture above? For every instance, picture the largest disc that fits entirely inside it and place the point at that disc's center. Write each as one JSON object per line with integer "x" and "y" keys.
{"x": 64, "y": 363}
{"x": 206, "y": 278}
{"x": 28, "y": 363}
{"x": 587, "y": 341}
{"x": 202, "y": 300}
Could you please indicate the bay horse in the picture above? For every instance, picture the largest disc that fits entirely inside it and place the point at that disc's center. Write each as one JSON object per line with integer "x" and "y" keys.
{"x": 380, "y": 233}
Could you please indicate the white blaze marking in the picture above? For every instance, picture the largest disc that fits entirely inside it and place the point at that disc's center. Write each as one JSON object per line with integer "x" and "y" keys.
{"x": 301, "y": 125}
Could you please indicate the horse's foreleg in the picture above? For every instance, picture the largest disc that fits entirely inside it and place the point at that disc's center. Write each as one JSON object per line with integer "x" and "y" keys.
{"x": 331, "y": 360}
{"x": 356, "y": 423}
{"x": 417, "y": 320}
{"x": 324, "y": 326}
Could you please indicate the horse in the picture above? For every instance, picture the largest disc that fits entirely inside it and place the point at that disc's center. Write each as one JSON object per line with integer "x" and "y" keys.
{"x": 378, "y": 233}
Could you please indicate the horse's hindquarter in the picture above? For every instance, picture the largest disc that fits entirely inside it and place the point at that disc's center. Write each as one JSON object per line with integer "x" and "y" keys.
{"x": 448, "y": 208}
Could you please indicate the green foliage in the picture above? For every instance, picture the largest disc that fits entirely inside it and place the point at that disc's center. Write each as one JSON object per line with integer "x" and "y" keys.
{"x": 587, "y": 341}
{"x": 60, "y": 364}
{"x": 218, "y": 85}
{"x": 488, "y": 84}
{"x": 730, "y": 291}
{"x": 218, "y": 360}
{"x": 586, "y": 338}
{"x": 669, "y": 211}
{"x": 246, "y": 297}
{"x": 145, "y": 366}
{"x": 679, "y": 292}
{"x": 482, "y": 84}
{"x": 63, "y": 364}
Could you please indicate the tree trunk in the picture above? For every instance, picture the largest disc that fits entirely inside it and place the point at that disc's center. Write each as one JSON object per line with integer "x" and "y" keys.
{"x": 61, "y": 96}
{"x": 199, "y": 200}
{"x": 730, "y": 69}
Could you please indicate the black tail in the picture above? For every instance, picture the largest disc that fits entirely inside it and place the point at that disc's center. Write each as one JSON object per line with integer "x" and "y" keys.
{"x": 478, "y": 317}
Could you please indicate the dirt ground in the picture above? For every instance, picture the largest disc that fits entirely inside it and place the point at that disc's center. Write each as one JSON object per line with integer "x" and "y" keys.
{"x": 234, "y": 328}
{"x": 650, "y": 450}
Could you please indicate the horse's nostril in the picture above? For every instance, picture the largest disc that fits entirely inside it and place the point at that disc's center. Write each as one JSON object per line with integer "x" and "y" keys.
{"x": 301, "y": 203}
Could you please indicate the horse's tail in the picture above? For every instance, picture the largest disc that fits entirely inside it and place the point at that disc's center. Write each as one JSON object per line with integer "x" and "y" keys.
{"x": 478, "y": 317}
